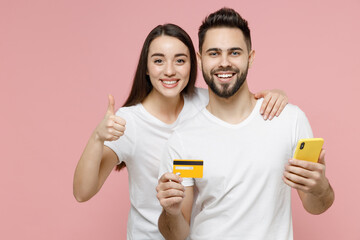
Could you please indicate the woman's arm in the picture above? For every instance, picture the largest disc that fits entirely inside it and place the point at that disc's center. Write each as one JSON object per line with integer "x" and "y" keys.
{"x": 97, "y": 160}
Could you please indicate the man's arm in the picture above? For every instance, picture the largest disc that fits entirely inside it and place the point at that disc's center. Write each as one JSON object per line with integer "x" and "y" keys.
{"x": 176, "y": 200}
{"x": 311, "y": 183}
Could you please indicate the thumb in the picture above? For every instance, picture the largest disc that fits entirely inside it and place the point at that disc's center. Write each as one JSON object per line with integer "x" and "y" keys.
{"x": 322, "y": 157}
{"x": 111, "y": 106}
{"x": 261, "y": 94}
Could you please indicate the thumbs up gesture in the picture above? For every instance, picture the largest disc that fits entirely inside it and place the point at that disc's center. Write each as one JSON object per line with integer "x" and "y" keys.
{"x": 112, "y": 127}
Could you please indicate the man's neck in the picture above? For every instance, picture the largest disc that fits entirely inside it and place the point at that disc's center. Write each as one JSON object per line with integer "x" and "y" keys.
{"x": 234, "y": 109}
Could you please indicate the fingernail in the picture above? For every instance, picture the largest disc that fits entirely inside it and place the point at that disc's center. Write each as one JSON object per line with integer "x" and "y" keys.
{"x": 265, "y": 117}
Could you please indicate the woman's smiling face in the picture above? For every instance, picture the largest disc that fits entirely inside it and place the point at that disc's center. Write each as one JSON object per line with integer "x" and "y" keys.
{"x": 168, "y": 66}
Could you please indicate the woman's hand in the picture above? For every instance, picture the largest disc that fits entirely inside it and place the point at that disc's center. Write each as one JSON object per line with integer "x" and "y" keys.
{"x": 274, "y": 102}
{"x": 112, "y": 127}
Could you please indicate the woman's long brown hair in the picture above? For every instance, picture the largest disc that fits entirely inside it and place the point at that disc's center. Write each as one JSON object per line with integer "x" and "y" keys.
{"x": 141, "y": 86}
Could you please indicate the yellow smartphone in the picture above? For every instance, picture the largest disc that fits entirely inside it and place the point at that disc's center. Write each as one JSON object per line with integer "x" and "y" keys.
{"x": 309, "y": 149}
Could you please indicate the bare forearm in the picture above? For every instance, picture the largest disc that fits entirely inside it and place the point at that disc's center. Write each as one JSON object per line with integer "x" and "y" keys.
{"x": 173, "y": 227}
{"x": 97, "y": 161}
{"x": 86, "y": 178}
{"x": 318, "y": 204}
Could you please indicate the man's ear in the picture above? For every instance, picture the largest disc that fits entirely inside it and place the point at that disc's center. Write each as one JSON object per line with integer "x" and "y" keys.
{"x": 251, "y": 57}
{"x": 198, "y": 58}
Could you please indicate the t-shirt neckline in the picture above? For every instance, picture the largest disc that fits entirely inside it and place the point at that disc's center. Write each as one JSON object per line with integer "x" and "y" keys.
{"x": 158, "y": 121}
{"x": 254, "y": 112}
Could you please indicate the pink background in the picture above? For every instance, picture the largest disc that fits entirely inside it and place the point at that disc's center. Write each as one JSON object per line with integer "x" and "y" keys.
{"x": 60, "y": 59}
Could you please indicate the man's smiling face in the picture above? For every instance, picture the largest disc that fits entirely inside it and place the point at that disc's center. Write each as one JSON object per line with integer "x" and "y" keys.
{"x": 225, "y": 60}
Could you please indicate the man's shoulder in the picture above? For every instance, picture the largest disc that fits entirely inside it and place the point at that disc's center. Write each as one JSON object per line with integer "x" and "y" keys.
{"x": 201, "y": 92}
{"x": 291, "y": 110}
{"x": 186, "y": 135}
{"x": 291, "y": 116}
{"x": 190, "y": 125}
{"x": 200, "y": 98}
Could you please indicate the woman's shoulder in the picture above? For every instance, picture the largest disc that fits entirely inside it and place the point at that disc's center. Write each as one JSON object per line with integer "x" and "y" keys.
{"x": 128, "y": 111}
{"x": 200, "y": 97}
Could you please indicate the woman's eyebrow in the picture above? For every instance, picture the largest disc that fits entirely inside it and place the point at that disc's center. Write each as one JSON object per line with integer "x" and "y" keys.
{"x": 157, "y": 55}
{"x": 162, "y": 55}
{"x": 181, "y": 54}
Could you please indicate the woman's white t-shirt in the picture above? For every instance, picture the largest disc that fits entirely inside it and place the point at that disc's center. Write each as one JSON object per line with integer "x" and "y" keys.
{"x": 141, "y": 149}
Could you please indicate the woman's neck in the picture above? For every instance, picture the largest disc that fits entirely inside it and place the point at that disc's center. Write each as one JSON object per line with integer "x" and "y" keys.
{"x": 163, "y": 108}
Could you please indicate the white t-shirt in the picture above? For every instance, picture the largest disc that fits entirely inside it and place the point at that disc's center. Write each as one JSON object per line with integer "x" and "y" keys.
{"x": 242, "y": 194}
{"x": 141, "y": 148}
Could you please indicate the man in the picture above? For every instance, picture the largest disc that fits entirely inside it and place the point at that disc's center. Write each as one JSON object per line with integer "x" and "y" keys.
{"x": 243, "y": 193}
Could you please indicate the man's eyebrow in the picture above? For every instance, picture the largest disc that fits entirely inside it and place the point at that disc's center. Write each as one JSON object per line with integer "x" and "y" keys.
{"x": 235, "y": 49}
{"x": 219, "y": 49}
{"x": 213, "y": 49}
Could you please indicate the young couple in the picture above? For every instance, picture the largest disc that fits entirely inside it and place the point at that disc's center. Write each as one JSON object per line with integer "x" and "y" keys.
{"x": 162, "y": 98}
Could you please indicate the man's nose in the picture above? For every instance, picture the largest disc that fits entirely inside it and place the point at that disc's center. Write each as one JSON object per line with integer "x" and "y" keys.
{"x": 225, "y": 61}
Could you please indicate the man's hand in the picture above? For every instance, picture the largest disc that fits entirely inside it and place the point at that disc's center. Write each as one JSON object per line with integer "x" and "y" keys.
{"x": 309, "y": 179}
{"x": 174, "y": 221}
{"x": 274, "y": 102}
{"x": 112, "y": 127}
{"x": 170, "y": 193}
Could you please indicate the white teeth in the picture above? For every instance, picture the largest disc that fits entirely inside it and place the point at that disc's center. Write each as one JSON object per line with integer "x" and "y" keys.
{"x": 169, "y": 82}
{"x": 224, "y": 75}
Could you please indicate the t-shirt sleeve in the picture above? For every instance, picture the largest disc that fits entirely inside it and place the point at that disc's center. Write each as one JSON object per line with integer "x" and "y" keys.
{"x": 173, "y": 150}
{"x": 124, "y": 146}
{"x": 302, "y": 129}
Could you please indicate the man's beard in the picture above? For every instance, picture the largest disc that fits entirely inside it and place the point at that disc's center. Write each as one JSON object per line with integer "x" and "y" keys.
{"x": 224, "y": 90}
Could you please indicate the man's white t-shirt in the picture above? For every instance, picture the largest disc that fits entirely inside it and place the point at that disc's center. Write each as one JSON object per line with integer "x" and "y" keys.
{"x": 141, "y": 148}
{"x": 242, "y": 194}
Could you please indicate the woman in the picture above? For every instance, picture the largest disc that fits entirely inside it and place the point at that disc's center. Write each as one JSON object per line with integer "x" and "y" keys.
{"x": 163, "y": 96}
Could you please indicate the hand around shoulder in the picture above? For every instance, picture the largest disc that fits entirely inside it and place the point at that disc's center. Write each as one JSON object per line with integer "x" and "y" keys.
{"x": 274, "y": 102}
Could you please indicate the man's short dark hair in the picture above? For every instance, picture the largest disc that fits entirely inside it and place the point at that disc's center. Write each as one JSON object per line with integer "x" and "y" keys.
{"x": 225, "y": 17}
